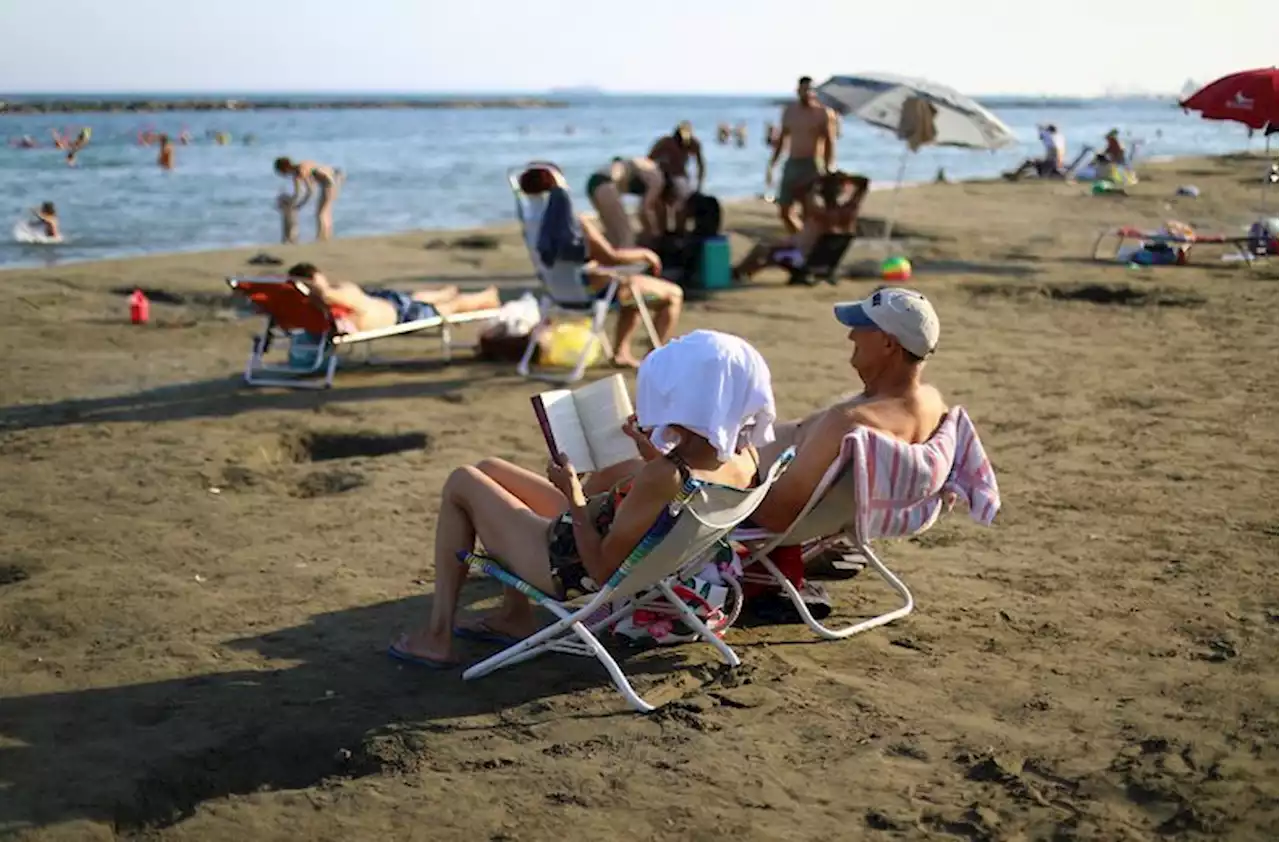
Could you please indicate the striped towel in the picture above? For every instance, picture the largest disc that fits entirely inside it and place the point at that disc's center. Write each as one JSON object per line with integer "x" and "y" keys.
{"x": 903, "y": 488}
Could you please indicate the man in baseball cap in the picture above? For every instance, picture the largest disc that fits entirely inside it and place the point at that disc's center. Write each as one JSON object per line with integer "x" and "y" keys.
{"x": 893, "y": 332}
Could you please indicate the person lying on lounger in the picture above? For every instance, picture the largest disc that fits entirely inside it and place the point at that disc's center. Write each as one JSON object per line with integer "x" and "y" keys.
{"x": 551, "y": 534}
{"x": 833, "y": 205}
{"x": 371, "y": 309}
{"x": 662, "y": 295}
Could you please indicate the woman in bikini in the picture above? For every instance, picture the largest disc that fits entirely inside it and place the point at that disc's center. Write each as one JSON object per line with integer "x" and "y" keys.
{"x": 308, "y": 176}
{"x": 628, "y": 176}
{"x": 554, "y": 536}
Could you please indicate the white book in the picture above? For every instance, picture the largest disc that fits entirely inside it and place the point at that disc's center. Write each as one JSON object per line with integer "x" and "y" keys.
{"x": 586, "y": 424}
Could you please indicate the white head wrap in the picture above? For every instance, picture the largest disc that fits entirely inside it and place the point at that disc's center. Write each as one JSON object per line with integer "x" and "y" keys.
{"x": 714, "y": 384}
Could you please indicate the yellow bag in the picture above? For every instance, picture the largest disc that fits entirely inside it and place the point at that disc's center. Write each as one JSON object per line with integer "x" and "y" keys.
{"x": 562, "y": 345}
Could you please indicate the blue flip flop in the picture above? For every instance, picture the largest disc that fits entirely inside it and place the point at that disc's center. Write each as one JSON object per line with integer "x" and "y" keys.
{"x": 484, "y": 634}
{"x": 401, "y": 655}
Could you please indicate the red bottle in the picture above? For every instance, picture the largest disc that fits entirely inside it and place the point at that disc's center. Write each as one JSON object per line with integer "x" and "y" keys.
{"x": 139, "y": 308}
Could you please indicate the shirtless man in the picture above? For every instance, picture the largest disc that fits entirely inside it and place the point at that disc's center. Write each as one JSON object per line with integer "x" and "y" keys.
{"x": 308, "y": 176}
{"x": 893, "y": 331}
{"x": 379, "y": 308}
{"x": 672, "y": 153}
{"x": 807, "y": 130}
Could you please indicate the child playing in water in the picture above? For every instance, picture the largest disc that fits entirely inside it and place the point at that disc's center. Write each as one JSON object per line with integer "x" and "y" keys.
{"x": 307, "y": 177}
{"x": 45, "y": 220}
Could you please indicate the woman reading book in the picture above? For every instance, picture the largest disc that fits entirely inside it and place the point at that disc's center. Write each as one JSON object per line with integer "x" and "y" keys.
{"x": 551, "y": 534}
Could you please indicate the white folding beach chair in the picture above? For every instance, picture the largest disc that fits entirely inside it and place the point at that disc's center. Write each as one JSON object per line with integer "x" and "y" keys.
{"x": 564, "y": 289}
{"x": 314, "y": 336}
{"x": 880, "y": 487}
{"x": 703, "y": 515}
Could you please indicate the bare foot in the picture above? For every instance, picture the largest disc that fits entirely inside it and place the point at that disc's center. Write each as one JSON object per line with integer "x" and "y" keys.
{"x": 419, "y": 644}
{"x": 625, "y": 360}
{"x": 500, "y": 622}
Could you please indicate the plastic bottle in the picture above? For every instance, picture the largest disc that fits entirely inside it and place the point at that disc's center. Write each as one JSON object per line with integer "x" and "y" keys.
{"x": 139, "y": 308}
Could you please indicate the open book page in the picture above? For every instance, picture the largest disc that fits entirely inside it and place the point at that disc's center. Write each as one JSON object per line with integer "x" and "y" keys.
{"x": 561, "y": 415}
{"x": 603, "y": 407}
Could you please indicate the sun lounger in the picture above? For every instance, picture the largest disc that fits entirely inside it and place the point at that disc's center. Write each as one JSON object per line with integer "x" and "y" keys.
{"x": 1243, "y": 246}
{"x": 314, "y": 335}
{"x": 564, "y": 289}
{"x": 702, "y": 516}
{"x": 823, "y": 260}
{"x": 880, "y": 487}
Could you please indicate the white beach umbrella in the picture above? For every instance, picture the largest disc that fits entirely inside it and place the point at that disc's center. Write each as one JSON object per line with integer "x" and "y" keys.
{"x": 881, "y": 98}
{"x": 877, "y": 98}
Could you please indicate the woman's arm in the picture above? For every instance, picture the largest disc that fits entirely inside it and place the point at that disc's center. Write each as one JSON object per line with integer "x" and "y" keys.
{"x": 653, "y": 489}
{"x": 301, "y": 184}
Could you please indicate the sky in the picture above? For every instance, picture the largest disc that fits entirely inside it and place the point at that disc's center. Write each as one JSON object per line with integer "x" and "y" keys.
{"x": 647, "y": 46}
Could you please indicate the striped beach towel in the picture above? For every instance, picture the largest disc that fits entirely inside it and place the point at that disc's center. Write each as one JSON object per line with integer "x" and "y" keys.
{"x": 903, "y": 488}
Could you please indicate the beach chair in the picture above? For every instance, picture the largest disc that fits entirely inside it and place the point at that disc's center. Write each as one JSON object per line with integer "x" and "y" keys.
{"x": 701, "y": 517}
{"x": 564, "y": 289}
{"x": 822, "y": 261}
{"x": 314, "y": 335}
{"x": 1114, "y": 240}
{"x": 879, "y": 487}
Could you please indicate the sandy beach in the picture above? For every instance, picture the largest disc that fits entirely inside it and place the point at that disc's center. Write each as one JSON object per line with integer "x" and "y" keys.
{"x": 198, "y": 580}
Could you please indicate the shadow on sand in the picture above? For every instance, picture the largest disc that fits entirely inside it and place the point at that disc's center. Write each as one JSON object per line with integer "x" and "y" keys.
{"x": 226, "y": 397}
{"x": 146, "y": 755}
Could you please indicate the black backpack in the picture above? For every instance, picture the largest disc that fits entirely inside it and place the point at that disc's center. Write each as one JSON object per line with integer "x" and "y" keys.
{"x": 703, "y": 213}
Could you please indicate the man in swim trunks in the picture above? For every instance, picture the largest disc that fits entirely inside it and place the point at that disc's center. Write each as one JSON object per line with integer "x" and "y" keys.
{"x": 307, "y": 177}
{"x": 672, "y": 153}
{"x": 808, "y": 132}
{"x": 378, "y": 308}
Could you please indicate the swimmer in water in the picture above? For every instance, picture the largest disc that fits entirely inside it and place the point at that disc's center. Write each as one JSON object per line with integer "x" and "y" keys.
{"x": 45, "y": 219}
{"x": 165, "y": 158}
{"x": 308, "y": 176}
{"x": 81, "y": 141}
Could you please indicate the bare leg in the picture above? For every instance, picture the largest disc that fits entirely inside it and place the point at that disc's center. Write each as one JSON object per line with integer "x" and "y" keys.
{"x": 470, "y": 302}
{"x": 790, "y": 220}
{"x": 628, "y": 321}
{"x": 534, "y": 490}
{"x": 613, "y": 216}
{"x": 435, "y": 296}
{"x": 324, "y": 212}
{"x": 670, "y": 298}
{"x": 756, "y": 259}
{"x": 474, "y": 505}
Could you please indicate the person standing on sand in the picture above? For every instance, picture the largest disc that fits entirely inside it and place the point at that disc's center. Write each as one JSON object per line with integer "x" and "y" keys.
{"x": 807, "y": 130}
{"x": 672, "y": 153}
{"x": 308, "y": 176}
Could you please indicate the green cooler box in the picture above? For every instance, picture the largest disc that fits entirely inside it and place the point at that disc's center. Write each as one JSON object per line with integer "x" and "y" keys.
{"x": 712, "y": 268}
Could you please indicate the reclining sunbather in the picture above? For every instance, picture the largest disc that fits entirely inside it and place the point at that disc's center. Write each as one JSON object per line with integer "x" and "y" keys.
{"x": 371, "y": 309}
{"x": 552, "y": 535}
{"x": 832, "y": 206}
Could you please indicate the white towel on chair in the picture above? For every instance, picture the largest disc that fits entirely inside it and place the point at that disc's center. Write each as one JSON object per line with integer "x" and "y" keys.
{"x": 712, "y": 383}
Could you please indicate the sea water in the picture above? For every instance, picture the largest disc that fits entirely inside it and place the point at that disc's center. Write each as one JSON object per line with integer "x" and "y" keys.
{"x": 410, "y": 169}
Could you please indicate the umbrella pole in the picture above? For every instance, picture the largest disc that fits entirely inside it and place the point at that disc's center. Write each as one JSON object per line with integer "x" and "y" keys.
{"x": 893, "y": 200}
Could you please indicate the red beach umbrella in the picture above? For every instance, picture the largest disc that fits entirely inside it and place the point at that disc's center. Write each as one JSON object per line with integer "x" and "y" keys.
{"x": 1250, "y": 97}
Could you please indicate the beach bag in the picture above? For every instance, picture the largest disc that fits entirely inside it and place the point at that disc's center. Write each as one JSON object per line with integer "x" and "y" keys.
{"x": 707, "y": 592}
{"x": 563, "y": 343}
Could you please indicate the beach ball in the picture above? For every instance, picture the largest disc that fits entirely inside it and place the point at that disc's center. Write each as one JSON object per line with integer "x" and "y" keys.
{"x": 896, "y": 269}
